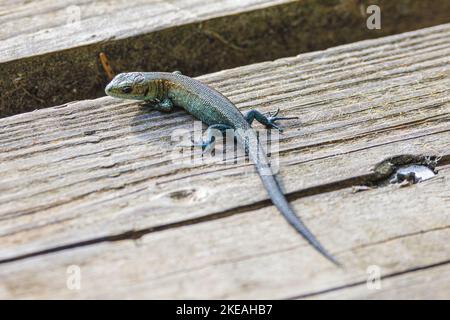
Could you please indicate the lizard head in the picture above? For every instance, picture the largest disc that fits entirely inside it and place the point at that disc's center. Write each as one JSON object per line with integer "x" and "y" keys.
{"x": 129, "y": 85}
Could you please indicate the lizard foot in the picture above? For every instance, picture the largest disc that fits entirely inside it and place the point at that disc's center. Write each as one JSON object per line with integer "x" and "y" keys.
{"x": 205, "y": 145}
{"x": 268, "y": 120}
{"x": 272, "y": 118}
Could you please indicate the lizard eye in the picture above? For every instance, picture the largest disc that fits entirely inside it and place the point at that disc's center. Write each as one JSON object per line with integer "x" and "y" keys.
{"x": 127, "y": 89}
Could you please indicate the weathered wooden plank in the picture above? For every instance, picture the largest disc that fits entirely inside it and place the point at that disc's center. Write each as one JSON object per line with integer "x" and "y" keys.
{"x": 49, "y": 49}
{"x": 428, "y": 283}
{"x": 64, "y": 187}
{"x": 255, "y": 254}
{"x": 62, "y": 21}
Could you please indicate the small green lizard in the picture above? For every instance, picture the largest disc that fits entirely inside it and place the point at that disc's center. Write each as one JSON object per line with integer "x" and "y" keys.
{"x": 163, "y": 91}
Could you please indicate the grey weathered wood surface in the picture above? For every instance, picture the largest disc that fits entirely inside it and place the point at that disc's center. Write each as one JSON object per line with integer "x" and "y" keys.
{"x": 430, "y": 283}
{"x": 142, "y": 225}
{"x": 47, "y": 26}
{"x": 49, "y": 49}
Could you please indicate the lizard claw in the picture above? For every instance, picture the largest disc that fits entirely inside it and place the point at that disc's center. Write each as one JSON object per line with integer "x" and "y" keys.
{"x": 272, "y": 114}
{"x": 274, "y": 126}
{"x": 204, "y": 145}
{"x": 273, "y": 118}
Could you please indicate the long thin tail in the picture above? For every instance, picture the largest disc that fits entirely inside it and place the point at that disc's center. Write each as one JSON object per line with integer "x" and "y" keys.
{"x": 257, "y": 155}
{"x": 280, "y": 201}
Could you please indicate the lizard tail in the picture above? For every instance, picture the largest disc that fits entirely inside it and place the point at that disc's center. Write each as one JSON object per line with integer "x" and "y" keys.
{"x": 258, "y": 156}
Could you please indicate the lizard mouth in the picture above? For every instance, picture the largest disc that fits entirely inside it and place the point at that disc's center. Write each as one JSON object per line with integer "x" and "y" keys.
{"x": 113, "y": 91}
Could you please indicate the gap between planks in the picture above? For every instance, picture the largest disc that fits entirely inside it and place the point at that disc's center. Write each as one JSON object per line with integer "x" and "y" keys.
{"x": 53, "y": 38}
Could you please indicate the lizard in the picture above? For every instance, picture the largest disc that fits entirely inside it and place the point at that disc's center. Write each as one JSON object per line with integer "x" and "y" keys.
{"x": 165, "y": 90}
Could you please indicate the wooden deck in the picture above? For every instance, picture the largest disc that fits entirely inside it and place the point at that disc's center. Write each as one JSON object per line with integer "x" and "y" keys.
{"x": 92, "y": 184}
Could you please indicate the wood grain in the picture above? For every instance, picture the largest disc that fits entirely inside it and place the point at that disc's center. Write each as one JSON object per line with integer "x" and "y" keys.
{"x": 431, "y": 282}
{"x": 69, "y": 24}
{"x": 256, "y": 255}
{"x": 92, "y": 183}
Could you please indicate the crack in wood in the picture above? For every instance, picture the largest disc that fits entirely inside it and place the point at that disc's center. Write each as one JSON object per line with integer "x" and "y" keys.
{"x": 358, "y": 283}
{"x": 324, "y": 188}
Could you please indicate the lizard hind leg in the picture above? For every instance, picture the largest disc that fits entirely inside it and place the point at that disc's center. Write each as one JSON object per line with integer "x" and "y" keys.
{"x": 267, "y": 120}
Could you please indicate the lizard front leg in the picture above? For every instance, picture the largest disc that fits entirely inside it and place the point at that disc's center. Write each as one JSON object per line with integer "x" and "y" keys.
{"x": 165, "y": 105}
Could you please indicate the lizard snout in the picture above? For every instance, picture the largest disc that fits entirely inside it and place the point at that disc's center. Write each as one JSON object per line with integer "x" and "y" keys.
{"x": 108, "y": 89}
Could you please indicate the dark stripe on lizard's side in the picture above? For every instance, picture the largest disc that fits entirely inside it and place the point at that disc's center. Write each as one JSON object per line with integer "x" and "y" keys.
{"x": 147, "y": 89}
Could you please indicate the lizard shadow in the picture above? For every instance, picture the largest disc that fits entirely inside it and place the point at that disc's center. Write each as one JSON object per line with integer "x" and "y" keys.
{"x": 146, "y": 124}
